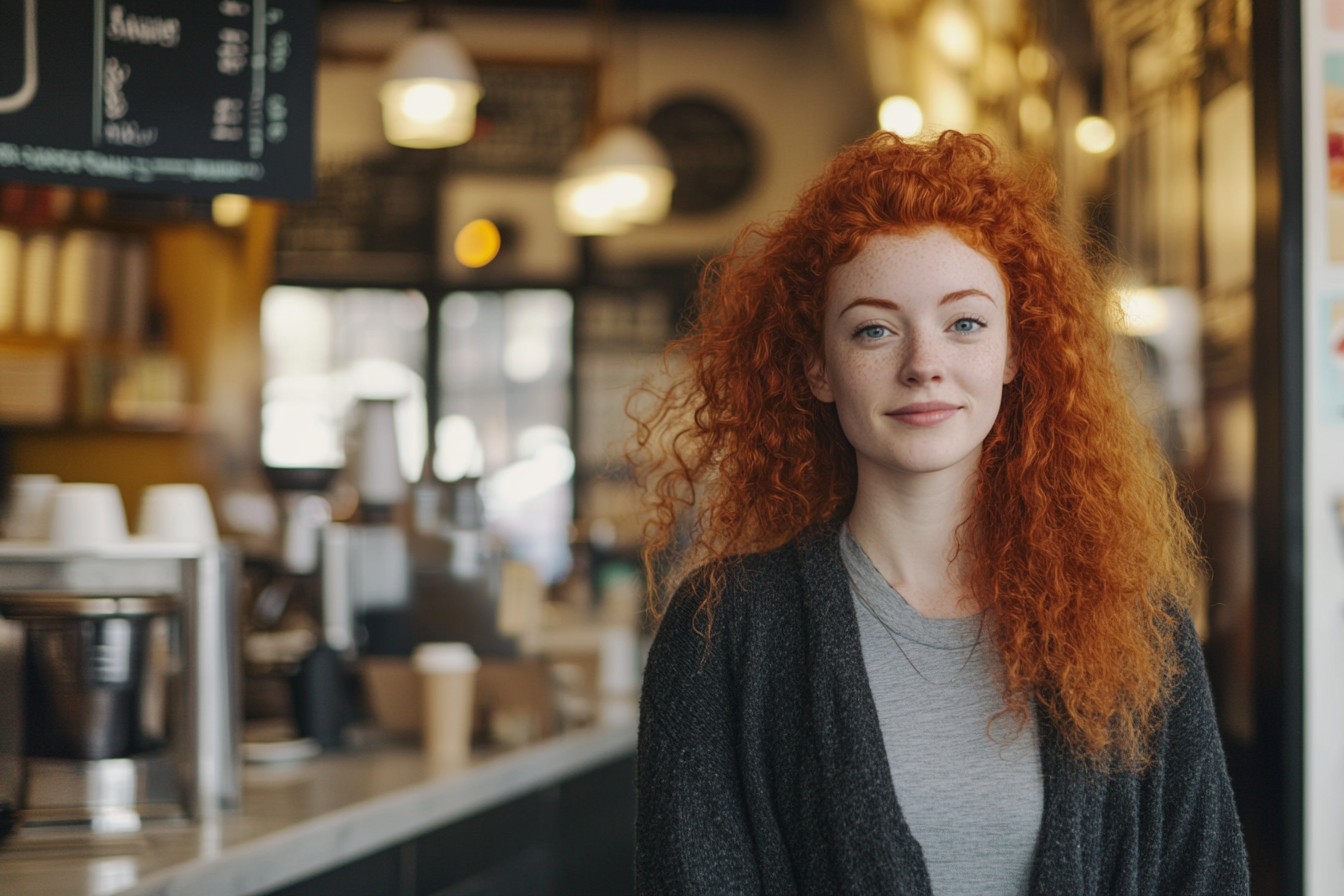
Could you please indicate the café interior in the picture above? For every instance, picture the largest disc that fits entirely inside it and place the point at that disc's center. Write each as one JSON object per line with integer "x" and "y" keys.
{"x": 320, "y": 433}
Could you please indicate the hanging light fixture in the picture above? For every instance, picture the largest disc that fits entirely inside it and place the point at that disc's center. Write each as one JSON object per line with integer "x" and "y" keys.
{"x": 621, "y": 180}
{"x": 429, "y": 93}
{"x": 623, "y": 177}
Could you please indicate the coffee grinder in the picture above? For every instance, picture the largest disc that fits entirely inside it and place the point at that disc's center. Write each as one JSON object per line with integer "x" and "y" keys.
{"x": 119, "y": 683}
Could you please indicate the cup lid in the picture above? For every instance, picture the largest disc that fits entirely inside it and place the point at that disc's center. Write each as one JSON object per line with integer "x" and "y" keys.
{"x": 445, "y": 656}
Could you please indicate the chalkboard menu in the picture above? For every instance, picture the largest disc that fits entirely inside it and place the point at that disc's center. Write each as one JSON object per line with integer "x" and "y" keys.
{"x": 212, "y": 96}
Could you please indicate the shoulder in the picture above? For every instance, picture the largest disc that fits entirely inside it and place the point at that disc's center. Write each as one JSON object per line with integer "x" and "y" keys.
{"x": 717, "y": 599}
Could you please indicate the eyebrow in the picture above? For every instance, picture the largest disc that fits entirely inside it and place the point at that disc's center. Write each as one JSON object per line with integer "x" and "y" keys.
{"x": 887, "y": 303}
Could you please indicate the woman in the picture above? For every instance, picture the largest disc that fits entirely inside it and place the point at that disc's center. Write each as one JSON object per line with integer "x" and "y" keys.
{"x": 935, "y": 642}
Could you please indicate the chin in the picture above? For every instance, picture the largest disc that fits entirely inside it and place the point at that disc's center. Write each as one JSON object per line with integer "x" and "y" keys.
{"x": 932, "y": 459}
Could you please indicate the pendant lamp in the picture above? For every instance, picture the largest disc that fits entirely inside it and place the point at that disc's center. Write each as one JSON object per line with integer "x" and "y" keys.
{"x": 620, "y": 180}
{"x": 430, "y": 92}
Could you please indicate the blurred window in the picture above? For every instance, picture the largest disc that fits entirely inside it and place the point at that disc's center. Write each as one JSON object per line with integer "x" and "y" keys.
{"x": 327, "y": 349}
{"x": 504, "y": 415}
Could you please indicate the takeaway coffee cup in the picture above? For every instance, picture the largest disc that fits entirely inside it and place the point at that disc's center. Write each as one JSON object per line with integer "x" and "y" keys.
{"x": 178, "y": 512}
{"x": 448, "y": 673}
{"x": 87, "y": 515}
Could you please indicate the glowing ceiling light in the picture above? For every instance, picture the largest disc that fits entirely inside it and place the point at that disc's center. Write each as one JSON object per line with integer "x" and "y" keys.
{"x": 426, "y": 101}
{"x": 1095, "y": 135}
{"x": 430, "y": 92}
{"x": 477, "y": 243}
{"x": 621, "y": 180}
{"x": 901, "y": 115}
{"x": 955, "y": 34}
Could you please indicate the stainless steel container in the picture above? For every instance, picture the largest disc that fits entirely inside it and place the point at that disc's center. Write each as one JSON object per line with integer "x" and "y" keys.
{"x": 119, "y": 668}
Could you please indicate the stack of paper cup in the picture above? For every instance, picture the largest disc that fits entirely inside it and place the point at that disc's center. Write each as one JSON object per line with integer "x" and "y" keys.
{"x": 448, "y": 672}
{"x": 177, "y": 512}
{"x": 87, "y": 515}
{"x": 30, "y": 500}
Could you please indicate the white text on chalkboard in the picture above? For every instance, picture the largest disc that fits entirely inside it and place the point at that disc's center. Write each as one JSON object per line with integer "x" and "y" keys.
{"x": 148, "y": 30}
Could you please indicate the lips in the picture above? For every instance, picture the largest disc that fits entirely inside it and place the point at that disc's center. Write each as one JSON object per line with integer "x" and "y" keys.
{"x": 924, "y": 413}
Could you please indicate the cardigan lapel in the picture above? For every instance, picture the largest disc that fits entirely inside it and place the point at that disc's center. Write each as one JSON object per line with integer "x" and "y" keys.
{"x": 869, "y": 842}
{"x": 1068, "y": 851}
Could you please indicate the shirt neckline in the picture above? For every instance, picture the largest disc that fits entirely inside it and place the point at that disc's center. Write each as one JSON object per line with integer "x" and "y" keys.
{"x": 892, "y": 609}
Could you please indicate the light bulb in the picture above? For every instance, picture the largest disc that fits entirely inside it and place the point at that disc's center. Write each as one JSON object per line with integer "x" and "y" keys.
{"x": 1095, "y": 135}
{"x": 955, "y": 34}
{"x": 428, "y": 101}
{"x": 627, "y": 190}
{"x": 901, "y": 115}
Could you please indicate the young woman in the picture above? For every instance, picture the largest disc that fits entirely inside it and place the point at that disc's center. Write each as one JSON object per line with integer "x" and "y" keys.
{"x": 935, "y": 642}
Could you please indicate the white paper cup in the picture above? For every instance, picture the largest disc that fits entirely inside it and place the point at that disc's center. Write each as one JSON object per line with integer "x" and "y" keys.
{"x": 448, "y": 673}
{"x": 30, "y": 498}
{"x": 87, "y": 514}
{"x": 177, "y": 512}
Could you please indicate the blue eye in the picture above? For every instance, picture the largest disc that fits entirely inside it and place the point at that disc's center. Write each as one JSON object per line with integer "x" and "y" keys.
{"x": 967, "y": 325}
{"x": 873, "y": 331}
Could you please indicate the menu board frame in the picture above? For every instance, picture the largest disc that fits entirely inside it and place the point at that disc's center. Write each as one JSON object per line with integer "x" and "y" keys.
{"x": 160, "y": 96}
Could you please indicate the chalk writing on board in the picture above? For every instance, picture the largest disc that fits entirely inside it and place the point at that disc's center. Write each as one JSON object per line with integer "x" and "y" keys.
{"x": 147, "y": 30}
{"x": 195, "y": 98}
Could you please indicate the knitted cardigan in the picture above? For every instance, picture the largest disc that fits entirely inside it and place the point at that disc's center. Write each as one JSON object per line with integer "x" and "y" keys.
{"x": 761, "y": 767}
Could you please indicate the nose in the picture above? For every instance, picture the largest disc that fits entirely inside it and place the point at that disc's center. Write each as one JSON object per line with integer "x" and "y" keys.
{"x": 921, "y": 360}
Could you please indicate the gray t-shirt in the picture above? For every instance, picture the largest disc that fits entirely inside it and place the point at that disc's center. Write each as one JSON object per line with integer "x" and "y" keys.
{"x": 973, "y": 802}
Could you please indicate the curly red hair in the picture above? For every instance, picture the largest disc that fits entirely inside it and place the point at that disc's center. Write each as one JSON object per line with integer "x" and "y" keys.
{"x": 1080, "y": 547}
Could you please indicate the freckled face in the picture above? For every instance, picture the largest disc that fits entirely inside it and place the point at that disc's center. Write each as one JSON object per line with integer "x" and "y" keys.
{"x": 915, "y": 352}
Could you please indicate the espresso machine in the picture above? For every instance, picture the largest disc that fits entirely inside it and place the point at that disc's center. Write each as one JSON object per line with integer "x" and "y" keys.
{"x": 119, "y": 683}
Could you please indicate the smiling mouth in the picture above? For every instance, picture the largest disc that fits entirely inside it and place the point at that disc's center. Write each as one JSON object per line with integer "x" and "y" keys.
{"x": 924, "y": 413}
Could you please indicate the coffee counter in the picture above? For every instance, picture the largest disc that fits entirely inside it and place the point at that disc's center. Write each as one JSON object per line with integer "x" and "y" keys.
{"x": 514, "y": 818}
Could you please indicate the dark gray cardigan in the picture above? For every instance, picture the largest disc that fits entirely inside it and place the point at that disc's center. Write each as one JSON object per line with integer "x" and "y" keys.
{"x": 761, "y": 767}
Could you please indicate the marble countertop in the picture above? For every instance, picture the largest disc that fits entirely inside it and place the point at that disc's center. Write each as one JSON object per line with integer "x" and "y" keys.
{"x": 302, "y": 818}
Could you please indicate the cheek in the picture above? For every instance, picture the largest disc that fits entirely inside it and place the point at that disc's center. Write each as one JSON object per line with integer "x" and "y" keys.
{"x": 855, "y": 378}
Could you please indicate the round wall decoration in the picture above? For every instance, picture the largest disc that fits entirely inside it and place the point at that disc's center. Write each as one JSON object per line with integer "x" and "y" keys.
{"x": 712, "y": 151}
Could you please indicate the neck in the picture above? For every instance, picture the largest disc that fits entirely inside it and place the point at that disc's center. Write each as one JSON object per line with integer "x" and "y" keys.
{"x": 907, "y": 525}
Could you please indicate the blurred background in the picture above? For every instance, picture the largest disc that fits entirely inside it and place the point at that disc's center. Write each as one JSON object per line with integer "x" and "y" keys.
{"x": 422, "y": 368}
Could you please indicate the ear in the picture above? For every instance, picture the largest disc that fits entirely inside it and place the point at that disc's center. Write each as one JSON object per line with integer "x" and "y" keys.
{"x": 1010, "y": 365}
{"x": 817, "y": 380}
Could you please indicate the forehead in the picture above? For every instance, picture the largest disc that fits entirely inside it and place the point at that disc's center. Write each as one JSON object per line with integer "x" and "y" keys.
{"x": 931, "y": 261}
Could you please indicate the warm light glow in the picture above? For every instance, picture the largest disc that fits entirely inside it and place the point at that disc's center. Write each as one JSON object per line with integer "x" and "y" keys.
{"x": 592, "y": 199}
{"x": 621, "y": 180}
{"x": 1095, "y": 135}
{"x": 1143, "y": 312}
{"x": 901, "y": 115}
{"x": 428, "y": 113}
{"x": 230, "y": 209}
{"x": 1034, "y": 63}
{"x": 627, "y": 190}
{"x": 1035, "y": 115}
{"x": 955, "y": 34}
{"x": 430, "y": 92}
{"x": 428, "y": 101}
{"x": 612, "y": 201}
{"x": 477, "y": 243}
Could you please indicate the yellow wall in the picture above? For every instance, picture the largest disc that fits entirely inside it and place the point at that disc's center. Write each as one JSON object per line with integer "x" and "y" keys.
{"x": 210, "y": 281}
